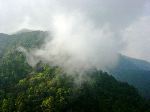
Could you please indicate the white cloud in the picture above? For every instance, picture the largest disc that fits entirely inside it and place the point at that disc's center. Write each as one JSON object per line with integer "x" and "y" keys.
{"x": 137, "y": 38}
{"x": 118, "y": 15}
{"x": 78, "y": 45}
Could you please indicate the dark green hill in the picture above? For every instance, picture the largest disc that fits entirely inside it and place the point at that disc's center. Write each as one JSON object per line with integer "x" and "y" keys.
{"x": 4, "y": 41}
{"x": 135, "y": 72}
{"x": 50, "y": 89}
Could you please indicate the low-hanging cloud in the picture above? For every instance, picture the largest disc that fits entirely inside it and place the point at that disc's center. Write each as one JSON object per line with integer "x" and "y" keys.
{"x": 77, "y": 45}
{"x": 85, "y": 33}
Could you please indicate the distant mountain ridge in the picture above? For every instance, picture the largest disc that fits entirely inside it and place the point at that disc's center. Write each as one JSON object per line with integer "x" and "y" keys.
{"x": 46, "y": 88}
{"x": 136, "y": 63}
{"x": 134, "y": 71}
{"x": 4, "y": 39}
{"x": 25, "y": 30}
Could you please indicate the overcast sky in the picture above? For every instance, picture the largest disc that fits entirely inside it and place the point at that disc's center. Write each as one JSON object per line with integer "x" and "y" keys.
{"x": 129, "y": 20}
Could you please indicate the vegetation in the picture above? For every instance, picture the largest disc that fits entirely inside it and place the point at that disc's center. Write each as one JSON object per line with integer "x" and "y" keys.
{"x": 49, "y": 89}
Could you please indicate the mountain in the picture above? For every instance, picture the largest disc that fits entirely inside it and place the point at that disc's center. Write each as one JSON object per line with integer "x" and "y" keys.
{"x": 4, "y": 41}
{"x": 134, "y": 71}
{"x": 28, "y": 39}
{"x": 51, "y": 90}
{"x": 47, "y": 88}
{"x": 24, "y": 30}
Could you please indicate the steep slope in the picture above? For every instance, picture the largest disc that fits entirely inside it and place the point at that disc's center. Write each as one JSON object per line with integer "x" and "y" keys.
{"x": 46, "y": 88}
{"x": 135, "y": 72}
{"x": 13, "y": 65}
{"x": 28, "y": 39}
{"x": 51, "y": 90}
{"x": 4, "y": 41}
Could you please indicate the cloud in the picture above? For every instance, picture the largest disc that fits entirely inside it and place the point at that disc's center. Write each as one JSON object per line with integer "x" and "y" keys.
{"x": 77, "y": 45}
{"x": 85, "y": 33}
{"x": 117, "y": 13}
{"x": 137, "y": 38}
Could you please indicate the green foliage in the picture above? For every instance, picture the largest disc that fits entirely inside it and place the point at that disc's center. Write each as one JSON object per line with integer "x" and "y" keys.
{"x": 46, "y": 92}
{"x": 48, "y": 104}
{"x": 50, "y": 89}
{"x": 7, "y": 105}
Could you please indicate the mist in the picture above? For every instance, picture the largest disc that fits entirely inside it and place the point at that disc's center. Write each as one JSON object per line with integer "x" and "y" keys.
{"x": 82, "y": 34}
{"x": 77, "y": 45}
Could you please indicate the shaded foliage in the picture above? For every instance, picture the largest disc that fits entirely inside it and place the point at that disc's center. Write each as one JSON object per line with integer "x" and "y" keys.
{"x": 49, "y": 89}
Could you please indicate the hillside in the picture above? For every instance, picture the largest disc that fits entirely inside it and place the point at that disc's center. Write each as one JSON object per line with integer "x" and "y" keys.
{"x": 50, "y": 89}
{"x": 4, "y": 41}
{"x": 134, "y": 71}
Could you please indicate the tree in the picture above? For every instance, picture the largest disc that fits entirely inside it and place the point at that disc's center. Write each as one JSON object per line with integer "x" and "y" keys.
{"x": 48, "y": 104}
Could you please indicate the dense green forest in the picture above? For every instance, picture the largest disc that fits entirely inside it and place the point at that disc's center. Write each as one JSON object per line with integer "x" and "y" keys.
{"x": 47, "y": 88}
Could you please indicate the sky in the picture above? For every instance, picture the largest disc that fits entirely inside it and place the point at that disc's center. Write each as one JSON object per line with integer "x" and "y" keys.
{"x": 121, "y": 26}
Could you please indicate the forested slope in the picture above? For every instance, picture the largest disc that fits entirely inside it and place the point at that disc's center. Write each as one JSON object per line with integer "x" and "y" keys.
{"x": 50, "y": 89}
{"x": 134, "y": 71}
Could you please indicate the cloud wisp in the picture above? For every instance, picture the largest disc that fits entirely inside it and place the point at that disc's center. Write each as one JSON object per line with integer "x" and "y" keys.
{"x": 85, "y": 34}
{"x": 77, "y": 45}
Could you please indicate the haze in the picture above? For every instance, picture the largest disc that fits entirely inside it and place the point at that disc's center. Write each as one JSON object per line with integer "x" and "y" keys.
{"x": 85, "y": 33}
